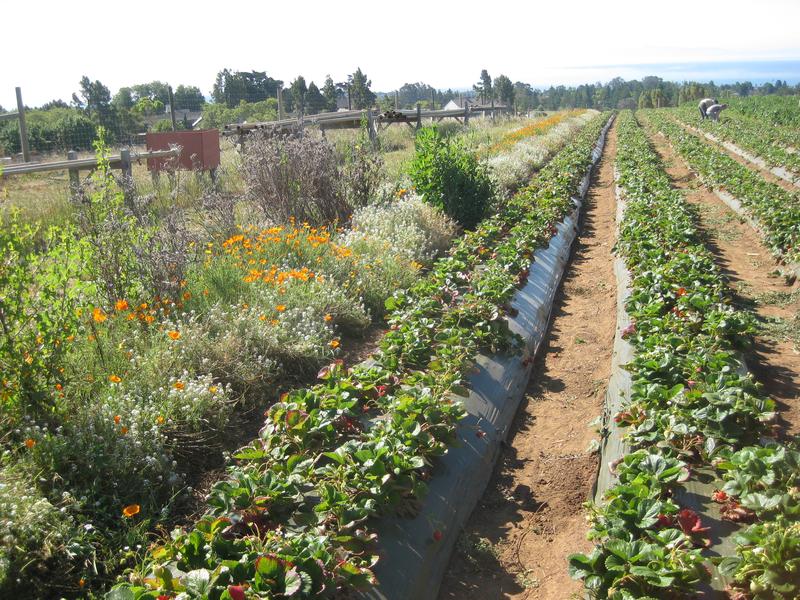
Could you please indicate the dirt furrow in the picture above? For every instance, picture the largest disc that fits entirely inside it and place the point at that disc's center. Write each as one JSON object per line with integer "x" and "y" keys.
{"x": 747, "y": 263}
{"x": 531, "y": 518}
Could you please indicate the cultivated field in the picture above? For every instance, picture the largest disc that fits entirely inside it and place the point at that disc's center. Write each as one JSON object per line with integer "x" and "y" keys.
{"x": 246, "y": 390}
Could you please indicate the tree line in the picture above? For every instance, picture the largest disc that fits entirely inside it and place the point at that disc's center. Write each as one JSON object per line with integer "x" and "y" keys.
{"x": 238, "y": 96}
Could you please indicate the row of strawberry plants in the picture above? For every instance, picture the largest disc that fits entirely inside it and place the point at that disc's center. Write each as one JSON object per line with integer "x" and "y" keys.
{"x": 690, "y": 403}
{"x": 292, "y": 518}
{"x": 776, "y": 209}
{"x": 758, "y": 137}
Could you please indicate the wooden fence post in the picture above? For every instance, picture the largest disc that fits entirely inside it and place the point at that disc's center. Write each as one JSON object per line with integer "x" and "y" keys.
{"x": 172, "y": 108}
{"x": 23, "y": 128}
{"x": 373, "y": 132}
{"x": 419, "y": 115}
{"x": 280, "y": 103}
{"x": 74, "y": 174}
{"x": 125, "y": 162}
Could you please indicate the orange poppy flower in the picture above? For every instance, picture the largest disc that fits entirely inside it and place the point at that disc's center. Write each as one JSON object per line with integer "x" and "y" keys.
{"x": 114, "y": 378}
{"x": 98, "y": 315}
{"x": 160, "y": 420}
{"x": 30, "y": 443}
{"x": 117, "y": 419}
{"x": 59, "y": 387}
{"x": 280, "y": 307}
{"x": 179, "y": 385}
{"x": 131, "y": 510}
{"x": 174, "y": 334}
{"x": 124, "y": 431}
{"x": 334, "y": 343}
{"x": 121, "y": 305}
{"x": 328, "y": 318}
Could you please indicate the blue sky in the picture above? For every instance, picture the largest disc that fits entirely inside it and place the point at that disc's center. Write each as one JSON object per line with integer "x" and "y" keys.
{"x": 445, "y": 44}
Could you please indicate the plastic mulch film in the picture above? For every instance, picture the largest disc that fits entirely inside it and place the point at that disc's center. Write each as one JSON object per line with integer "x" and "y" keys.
{"x": 695, "y": 493}
{"x": 412, "y": 562}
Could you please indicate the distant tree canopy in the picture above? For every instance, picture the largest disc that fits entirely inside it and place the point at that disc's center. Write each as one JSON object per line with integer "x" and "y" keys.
{"x": 504, "y": 90}
{"x": 484, "y": 87}
{"x": 231, "y": 87}
{"x": 360, "y": 94}
{"x": 188, "y": 97}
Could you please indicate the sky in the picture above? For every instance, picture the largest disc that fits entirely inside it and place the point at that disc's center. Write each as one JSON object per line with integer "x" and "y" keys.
{"x": 49, "y": 45}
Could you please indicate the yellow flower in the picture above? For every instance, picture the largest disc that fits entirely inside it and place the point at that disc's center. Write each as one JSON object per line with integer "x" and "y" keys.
{"x": 131, "y": 510}
{"x": 121, "y": 305}
{"x": 213, "y": 389}
{"x": 174, "y": 334}
{"x": 160, "y": 420}
{"x": 98, "y": 315}
{"x": 114, "y": 378}
{"x": 334, "y": 343}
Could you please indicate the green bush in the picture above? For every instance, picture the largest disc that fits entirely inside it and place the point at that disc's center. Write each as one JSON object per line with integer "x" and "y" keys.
{"x": 54, "y": 130}
{"x": 450, "y": 177}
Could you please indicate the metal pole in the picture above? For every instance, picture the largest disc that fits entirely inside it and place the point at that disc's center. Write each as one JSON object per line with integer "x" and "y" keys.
{"x": 172, "y": 108}
{"x": 23, "y": 128}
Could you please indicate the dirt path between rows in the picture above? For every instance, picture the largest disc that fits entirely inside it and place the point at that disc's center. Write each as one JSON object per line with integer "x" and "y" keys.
{"x": 531, "y": 518}
{"x": 748, "y": 265}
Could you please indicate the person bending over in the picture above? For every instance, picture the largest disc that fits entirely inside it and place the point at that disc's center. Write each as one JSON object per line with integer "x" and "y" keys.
{"x": 704, "y": 105}
{"x": 712, "y": 112}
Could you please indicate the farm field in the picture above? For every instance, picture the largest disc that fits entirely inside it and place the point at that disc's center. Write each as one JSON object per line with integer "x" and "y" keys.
{"x": 226, "y": 391}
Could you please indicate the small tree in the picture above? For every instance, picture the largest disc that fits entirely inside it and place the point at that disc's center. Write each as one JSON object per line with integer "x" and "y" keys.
{"x": 504, "y": 90}
{"x": 484, "y": 86}
{"x": 315, "y": 101}
{"x": 331, "y": 93}
{"x": 360, "y": 94}
{"x": 298, "y": 91}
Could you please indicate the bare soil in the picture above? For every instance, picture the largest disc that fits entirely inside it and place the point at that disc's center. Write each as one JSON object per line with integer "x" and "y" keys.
{"x": 531, "y": 517}
{"x": 774, "y": 359}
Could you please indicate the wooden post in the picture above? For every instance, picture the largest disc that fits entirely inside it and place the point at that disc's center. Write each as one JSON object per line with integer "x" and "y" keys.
{"x": 466, "y": 114}
{"x": 125, "y": 162}
{"x": 280, "y": 104}
{"x": 373, "y": 132}
{"x": 396, "y": 100}
{"x": 433, "y": 99}
{"x": 419, "y": 115}
{"x": 23, "y": 128}
{"x": 74, "y": 175}
{"x": 172, "y": 108}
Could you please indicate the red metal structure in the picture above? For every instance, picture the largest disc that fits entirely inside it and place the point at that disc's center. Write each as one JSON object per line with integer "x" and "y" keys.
{"x": 200, "y": 150}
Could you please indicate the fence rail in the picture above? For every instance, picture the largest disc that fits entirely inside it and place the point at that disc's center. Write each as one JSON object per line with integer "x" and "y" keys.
{"x": 123, "y": 161}
{"x": 353, "y": 118}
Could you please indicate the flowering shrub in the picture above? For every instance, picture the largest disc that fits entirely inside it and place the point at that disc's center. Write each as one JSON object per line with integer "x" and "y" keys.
{"x": 37, "y": 538}
{"x": 408, "y": 228}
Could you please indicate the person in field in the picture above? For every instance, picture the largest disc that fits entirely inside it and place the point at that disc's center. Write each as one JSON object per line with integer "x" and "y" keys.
{"x": 705, "y": 103}
{"x": 712, "y": 112}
